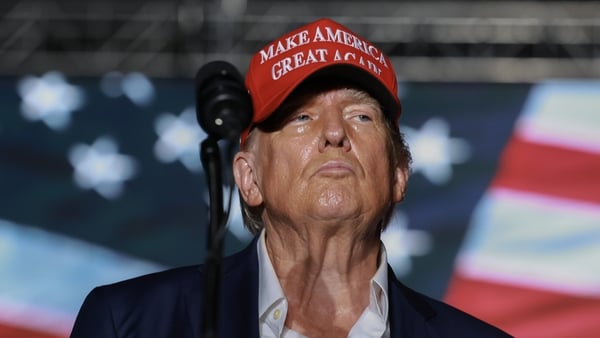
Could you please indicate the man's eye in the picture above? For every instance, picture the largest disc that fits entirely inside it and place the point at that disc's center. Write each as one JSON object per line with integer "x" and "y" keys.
{"x": 301, "y": 117}
{"x": 364, "y": 117}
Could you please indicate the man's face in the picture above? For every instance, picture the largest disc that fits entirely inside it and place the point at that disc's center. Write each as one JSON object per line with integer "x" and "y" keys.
{"x": 327, "y": 161}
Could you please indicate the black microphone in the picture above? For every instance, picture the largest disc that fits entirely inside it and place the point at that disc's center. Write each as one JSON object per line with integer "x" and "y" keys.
{"x": 223, "y": 110}
{"x": 223, "y": 105}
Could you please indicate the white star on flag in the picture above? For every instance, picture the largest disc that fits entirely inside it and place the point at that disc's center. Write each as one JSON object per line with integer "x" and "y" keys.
{"x": 50, "y": 99}
{"x": 101, "y": 168}
{"x": 179, "y": 139}
{"x": 135, "y": 86}
{"x": 434, "y": 151}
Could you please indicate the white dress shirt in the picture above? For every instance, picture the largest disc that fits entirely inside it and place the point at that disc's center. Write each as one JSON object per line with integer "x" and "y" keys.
{"x": 273, "y": 305}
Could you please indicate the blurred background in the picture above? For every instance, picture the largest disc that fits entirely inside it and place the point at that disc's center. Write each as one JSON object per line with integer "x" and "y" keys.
{"x": 101, "y": 179}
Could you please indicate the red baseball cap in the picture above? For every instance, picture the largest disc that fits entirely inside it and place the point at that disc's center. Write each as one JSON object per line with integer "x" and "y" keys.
{"x": 321, "y": 47}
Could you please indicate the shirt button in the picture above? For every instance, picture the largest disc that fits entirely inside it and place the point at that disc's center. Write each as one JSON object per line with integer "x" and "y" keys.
{"x": 277, "y": 314}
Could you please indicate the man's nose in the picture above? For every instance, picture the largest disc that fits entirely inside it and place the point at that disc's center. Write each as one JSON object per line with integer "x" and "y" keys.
{"x": 334, "y": 131}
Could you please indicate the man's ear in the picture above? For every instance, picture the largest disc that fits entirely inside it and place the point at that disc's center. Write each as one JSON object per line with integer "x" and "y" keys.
{"x": 401, "y": 179}
{"x": 245, "y": 179}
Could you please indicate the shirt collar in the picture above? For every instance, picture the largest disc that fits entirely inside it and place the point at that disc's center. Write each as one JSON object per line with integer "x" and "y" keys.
{"x": 272, "y": 304}
{"x": 379, "y": 285}
{"x": 269, "y": 289}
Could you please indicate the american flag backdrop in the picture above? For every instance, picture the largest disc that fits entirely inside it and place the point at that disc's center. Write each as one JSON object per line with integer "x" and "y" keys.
{"x": 100, "y": 181}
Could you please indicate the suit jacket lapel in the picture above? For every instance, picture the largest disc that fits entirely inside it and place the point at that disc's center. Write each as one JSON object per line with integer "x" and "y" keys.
{"x": 193, "y": 303}
{"x": 239, "y": 295}
{"x": 238, "y": 308}
{"x": 408, "y": 311}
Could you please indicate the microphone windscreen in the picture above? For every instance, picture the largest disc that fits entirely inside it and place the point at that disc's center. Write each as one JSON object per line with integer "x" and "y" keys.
{"x": 223, "y": 105}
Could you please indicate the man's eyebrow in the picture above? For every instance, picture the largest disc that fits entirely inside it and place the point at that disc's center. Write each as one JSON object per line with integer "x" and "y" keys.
{"x": 363, "y": 97}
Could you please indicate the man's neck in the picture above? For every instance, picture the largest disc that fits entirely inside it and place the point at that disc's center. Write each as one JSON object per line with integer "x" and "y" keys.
{"x": 326, "y": 279}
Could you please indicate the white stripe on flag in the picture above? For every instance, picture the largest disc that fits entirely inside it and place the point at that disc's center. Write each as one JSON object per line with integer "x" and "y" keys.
{"x": 563, "y": 113}
{"x": 45, "y": 276}
{"x": 535, "y": 241}
{"x": 32, "y": 316}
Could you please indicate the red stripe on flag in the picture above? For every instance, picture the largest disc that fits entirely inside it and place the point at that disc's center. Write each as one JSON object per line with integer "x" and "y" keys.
{"x": 19, "y": 332}
{"x": 550, "y": 170}
{"x": 526, "y": 312}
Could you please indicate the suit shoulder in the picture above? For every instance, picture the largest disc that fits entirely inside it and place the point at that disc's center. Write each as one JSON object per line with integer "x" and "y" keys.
{"x": 462, "y": 322}
{"x": 127, "y": 306}
{"x": 445, "y": 320}
{"x": 166, "y": 281}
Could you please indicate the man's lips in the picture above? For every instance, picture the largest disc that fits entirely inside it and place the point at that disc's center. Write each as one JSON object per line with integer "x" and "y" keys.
{"x": 335, "y": 167}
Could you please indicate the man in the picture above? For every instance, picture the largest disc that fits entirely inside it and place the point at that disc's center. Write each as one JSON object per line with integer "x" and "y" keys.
{"x": 319, "y": 172}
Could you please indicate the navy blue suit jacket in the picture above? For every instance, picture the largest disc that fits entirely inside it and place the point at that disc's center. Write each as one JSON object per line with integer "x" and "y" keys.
{"x": 169, "y": 304}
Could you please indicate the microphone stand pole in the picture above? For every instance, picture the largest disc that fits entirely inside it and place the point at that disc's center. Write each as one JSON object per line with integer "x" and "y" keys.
{"x": 211, "y": 161}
